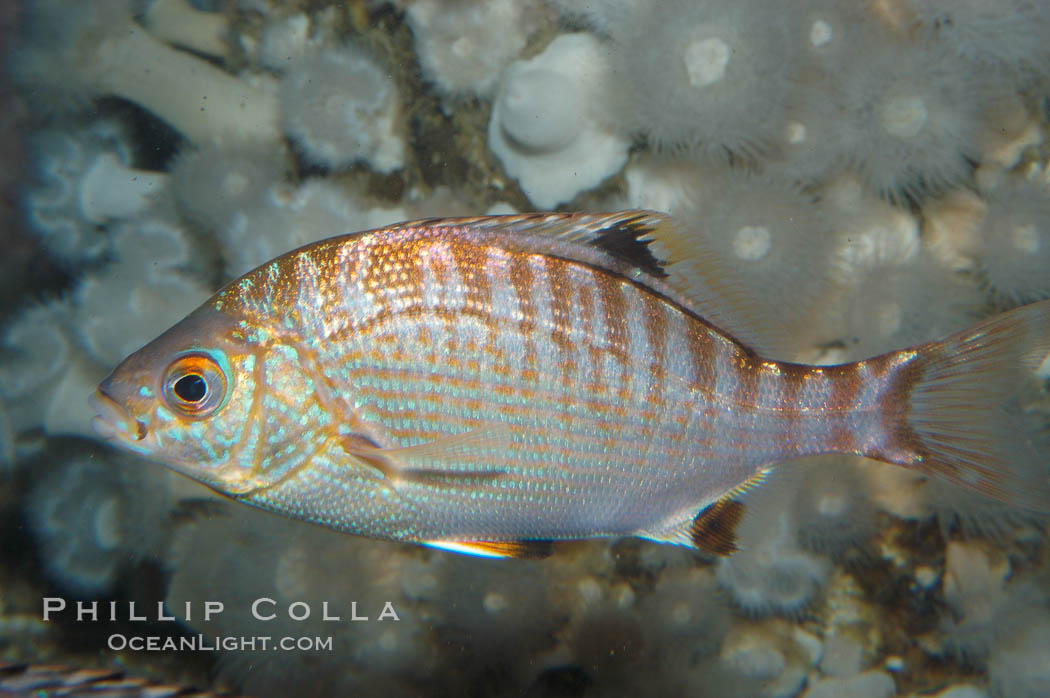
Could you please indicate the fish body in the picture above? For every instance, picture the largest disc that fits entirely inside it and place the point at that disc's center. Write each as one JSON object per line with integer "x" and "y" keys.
{"x": 21, "y": 680}
{"x": 475, "y": 383}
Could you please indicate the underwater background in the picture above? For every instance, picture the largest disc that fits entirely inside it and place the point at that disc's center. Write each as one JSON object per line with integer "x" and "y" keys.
{"x": 875, "y": 172}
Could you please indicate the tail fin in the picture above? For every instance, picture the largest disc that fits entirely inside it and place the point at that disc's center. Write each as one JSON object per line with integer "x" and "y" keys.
{"x": 955, "y": 418}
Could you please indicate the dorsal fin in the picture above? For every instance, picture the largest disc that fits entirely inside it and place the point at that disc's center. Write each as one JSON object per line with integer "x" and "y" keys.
{"x": 618, "y": 241}
{"x": 655, "y": 249}
{"x": 625, "y": 236}
{"x": 530, "y": 549}
{"x": 699, "y": 271}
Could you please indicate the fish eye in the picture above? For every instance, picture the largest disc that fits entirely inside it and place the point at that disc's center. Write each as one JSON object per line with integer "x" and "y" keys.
{"x": 191, "y": 388}
{"x": 194, "y": 385}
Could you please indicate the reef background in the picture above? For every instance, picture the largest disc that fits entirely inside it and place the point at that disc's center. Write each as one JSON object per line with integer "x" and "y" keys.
{"x": 876, "y": 174}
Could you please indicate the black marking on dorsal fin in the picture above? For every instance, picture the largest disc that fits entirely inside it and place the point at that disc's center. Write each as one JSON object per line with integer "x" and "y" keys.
{"x": 530, "y": 549}
{"x": 714, "y": 528}
{"x": 627, "y": 239}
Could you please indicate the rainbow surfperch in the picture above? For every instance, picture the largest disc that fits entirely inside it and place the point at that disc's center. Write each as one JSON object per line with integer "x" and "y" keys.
{"x": 490, "y": 384}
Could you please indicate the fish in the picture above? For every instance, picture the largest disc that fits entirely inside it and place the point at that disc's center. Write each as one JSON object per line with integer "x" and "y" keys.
{"x": 490, "y": 385}
{"x": 22, "y": 680}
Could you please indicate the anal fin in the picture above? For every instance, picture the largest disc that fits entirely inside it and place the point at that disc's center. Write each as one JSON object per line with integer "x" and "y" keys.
{"x": 532, "y": 549}
{"x": 714, "y": 528}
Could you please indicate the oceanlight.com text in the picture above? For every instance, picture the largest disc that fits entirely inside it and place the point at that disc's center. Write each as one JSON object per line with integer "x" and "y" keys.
{"x": 230, "y": 643}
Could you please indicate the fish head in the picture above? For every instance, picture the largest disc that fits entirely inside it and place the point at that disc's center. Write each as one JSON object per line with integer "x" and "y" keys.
{"x": 186, "y": 400}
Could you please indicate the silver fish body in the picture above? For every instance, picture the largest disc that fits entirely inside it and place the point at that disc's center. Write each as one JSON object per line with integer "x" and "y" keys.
{"x": 472, "y": 383}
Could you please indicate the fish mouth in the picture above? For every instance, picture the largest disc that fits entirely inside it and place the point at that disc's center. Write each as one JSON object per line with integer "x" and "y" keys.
{"x": 112, "y": 422}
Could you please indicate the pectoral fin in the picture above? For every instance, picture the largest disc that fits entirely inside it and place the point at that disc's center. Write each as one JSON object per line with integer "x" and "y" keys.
{"x": 523, "y": 549}
{"x": 448, "y": 460}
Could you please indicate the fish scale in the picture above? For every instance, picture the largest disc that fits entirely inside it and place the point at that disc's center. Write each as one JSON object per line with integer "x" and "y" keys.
{"x": 476, "y": 383}
{"x": 625, "y": 400}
